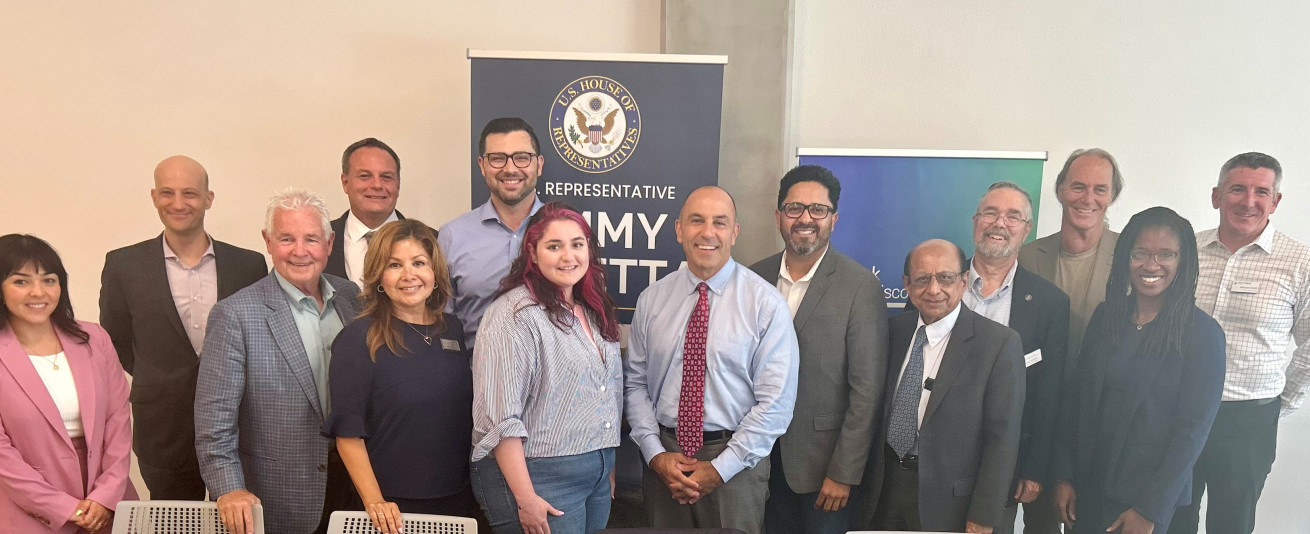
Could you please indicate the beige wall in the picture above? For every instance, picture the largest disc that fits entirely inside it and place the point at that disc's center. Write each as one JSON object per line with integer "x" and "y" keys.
{"x": 264, "y": 94}
{"x": 1173, "y": 89}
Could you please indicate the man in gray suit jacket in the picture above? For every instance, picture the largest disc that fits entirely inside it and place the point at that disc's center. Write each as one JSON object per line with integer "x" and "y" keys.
{"x": 1077, "y": 258}
{"x": 261, "y": 395}
{"x": 840, "y": 318}
{"x": 950, "y": 437}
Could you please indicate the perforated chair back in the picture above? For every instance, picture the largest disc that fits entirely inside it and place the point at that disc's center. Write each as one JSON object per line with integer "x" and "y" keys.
{"x": 359, "y": 523}
{"x": 174, "y": 517}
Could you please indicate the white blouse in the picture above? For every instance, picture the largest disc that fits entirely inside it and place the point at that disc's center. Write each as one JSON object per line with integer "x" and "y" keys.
{"x": 59, "y": 382}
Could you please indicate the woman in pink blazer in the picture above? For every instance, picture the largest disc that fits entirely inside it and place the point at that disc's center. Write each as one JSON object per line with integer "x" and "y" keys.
{"x": 64, "y": 430}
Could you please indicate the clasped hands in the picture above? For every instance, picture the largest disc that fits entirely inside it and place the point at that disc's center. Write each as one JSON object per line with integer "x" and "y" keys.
{"x": 91, "y": 516}
{"x": 688, "y": 479}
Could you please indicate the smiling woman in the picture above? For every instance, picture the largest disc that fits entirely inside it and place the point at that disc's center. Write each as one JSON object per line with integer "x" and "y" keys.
{"x": 63, "y": 402}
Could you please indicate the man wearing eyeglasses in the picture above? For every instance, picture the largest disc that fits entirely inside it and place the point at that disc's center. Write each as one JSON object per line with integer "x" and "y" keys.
{"x": 370, "y": 177}
{"x": 998, "y": 288}
{"x": 949, "y": 432}
{"x": 840, "y": 317}
{"x": 1254, "y": 280}
{"x": 481, "y": 244}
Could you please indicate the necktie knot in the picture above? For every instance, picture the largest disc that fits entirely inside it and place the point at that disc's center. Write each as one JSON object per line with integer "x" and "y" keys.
{"x": 368, "y": 236}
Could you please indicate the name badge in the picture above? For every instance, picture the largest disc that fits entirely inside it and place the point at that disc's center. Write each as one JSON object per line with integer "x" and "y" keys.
{"x": 1245, "y": 287}
{"x": 450, "y": 344}
{"x": 1032, "y": 358}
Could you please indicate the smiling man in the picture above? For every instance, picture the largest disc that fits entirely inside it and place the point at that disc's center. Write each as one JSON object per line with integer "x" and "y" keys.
{"x": 155, "y": 299}
{"x": 1254, "y": 280}
{"x": 481, "y": 244}
{"x": 370, "y": 177}
{"x": 710, "y": 378}
{"x": 262, "y": 391}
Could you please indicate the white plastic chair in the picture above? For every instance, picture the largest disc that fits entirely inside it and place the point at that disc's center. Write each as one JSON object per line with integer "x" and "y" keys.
{"x": 174, "y": 517}
{"x": 358, "y": 523}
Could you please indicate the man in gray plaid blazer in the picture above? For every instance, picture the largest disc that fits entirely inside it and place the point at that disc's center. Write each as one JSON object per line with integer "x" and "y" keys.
{"x": 262, "y": 391}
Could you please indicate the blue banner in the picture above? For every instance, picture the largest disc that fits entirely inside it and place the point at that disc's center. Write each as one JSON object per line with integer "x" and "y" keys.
{"x": 894, "y": 200}
{"x": 625, "y": 138}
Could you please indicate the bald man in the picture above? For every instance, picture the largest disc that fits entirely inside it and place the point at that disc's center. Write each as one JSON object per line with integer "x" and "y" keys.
{"x": 155, "y": 298}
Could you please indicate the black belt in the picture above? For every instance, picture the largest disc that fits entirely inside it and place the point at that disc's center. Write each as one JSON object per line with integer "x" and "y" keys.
{"x": 710, "y": 435}
{"x": 908, "y": 462}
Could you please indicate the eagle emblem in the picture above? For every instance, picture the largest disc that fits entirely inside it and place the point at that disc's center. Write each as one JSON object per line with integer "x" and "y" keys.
{"x": 595, "y": 124}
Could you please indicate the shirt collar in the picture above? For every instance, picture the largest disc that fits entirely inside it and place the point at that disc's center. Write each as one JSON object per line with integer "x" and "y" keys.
{"x": 296, "y": 296}
{"x": 1265, "y": 241}
{"x": 975, "y": 281}
{"x": 487, "y": 212}
{"x": 717, "y": 282}
{"x": 940, "y": 329}
{"x": 170, "y": 255}
{"x": 785, "y": 275}
{"x": 355, "y": 228}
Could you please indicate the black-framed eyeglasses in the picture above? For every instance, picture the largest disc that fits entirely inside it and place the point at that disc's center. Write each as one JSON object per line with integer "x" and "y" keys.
{"x": 497, "y": 160}
{"x": 945, "y": 279}
{"x": 793, "y": 210}
{"x": 990, "y": 217}
{"x": 1164, "y": 257}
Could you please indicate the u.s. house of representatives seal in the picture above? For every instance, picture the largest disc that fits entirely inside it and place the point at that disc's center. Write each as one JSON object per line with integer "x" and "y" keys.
{"x": 595, "y": 124}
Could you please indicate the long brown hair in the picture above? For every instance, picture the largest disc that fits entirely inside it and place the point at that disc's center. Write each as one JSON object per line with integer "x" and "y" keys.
{"x": 20, "y": 250}
{"x": 377, "y": 305}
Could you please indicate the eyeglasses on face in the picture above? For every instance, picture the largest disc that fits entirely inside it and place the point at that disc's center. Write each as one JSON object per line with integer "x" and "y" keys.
{"x": 497, "y": 160}
{"x": 1010, "y": 219}
{"x": 1164, "y": 257}
{"x": 944, "y": 279}
{"x": 793, "y": 210}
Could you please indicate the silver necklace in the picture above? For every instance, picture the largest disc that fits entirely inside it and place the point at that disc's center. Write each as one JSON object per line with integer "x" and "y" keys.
{"x": 426, "y": 337}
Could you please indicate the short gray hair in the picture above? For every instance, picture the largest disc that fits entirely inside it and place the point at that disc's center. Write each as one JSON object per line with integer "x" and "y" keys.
{"x": 292, "y": 199}
{"x": 1028, "y": 199}
{"x": 1116, "y": 183}
{"x": 1253, "y": 160}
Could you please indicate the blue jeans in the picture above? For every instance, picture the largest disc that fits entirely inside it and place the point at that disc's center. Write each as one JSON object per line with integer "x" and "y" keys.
{"x": 577, "y": 485}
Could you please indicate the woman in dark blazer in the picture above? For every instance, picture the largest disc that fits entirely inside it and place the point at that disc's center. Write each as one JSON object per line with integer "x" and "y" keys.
{"x": 64, "y": 431}
{"x": 402, "y": 386}
{"x": 1146, "y": 388}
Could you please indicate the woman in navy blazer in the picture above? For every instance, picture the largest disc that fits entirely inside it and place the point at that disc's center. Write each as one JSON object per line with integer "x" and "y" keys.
{"x": 64, "y": 431}
{"x": 1146, "y": 388}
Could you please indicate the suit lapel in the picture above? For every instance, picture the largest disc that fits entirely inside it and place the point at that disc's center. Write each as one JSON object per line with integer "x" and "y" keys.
{"x": 79, "y": 361}
{"x": 160, "y": 294}
{"x": 227, "y": 281}
{"x": 19, "y": 365}
{"x": 1104, "y": 261}
{"x": 1023, "y": 309}
{"x": 287, "y": 336}
{"x": 818, "y": 286}
{"x": 953, "y": 360}
{"x": 1048, "y": 255}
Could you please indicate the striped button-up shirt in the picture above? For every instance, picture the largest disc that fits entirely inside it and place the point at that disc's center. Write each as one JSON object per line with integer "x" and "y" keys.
{"x": 1261, "y": 297}
{"x": 550, "y": 386}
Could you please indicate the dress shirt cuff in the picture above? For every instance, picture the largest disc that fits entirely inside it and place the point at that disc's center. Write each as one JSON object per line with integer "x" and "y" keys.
{"x": 728, "y": 464}
{"x": 509, "y": 428}
{"x": 1290, "y": 403}
{"x": 650, "y": 446}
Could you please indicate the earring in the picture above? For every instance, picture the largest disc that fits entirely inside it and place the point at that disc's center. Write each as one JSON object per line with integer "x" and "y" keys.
{"x": 1130, "y": 290}
{"x": 380, "y": 290}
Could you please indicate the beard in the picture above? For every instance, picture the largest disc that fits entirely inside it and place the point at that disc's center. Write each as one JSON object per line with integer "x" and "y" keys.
{"x": 804, "y": 246}
{"x": 992, "y": 249}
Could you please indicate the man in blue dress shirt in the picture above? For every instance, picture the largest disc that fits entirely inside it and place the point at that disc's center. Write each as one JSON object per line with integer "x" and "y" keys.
{"x": 736, "y": 334}
{"x": 480, "y": 245}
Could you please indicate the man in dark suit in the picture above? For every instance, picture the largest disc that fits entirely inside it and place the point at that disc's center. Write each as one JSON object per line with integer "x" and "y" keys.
{"x": 155, "y": 298}
{"x": 999, "y": 289}
{"x": 838, "y": 311}
{"x": 262, "y": 389}
{"x": 950, "y": 432}
{"x": 370, "y": 177}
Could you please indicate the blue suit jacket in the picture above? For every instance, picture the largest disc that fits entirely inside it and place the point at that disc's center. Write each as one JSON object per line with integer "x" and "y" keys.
{"x": 1153, "y": 446}
{"x": 257, "y": 411}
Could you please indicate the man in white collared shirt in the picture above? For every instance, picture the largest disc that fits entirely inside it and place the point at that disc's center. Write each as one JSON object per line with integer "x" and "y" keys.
{"x": 370, "y": 177}
{"x": 1255, "y": 281}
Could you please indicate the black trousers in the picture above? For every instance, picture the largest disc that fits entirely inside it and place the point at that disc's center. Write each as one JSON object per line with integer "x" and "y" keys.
{"x": 180, "y": 484}
{"x": 898, "y": 501}
{"x": 340, "y": 492}
{"x": 1237, "y": 457}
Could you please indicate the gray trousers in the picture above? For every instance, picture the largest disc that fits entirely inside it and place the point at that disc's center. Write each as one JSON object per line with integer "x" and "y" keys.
{"x": 738, "y": 503}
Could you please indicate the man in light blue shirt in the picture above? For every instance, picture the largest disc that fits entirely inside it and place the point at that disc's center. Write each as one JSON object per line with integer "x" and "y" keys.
{"x": 750, "y": 369}
{"x": 480, "y": 245}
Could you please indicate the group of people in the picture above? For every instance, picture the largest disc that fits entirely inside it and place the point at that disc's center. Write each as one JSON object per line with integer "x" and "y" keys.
{"x": 1104, "y": 381}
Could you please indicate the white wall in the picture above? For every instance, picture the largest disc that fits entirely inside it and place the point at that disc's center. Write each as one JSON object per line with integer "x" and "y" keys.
{"x": 1173, "y": 89}
{"x": 264, "y": 94}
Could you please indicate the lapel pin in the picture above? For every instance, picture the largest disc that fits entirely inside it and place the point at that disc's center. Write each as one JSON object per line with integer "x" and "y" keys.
{"x": 1028, "y": 297}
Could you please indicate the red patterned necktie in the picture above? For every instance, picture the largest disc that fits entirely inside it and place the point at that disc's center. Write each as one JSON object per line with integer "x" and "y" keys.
{"x": 691, "y": 402}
